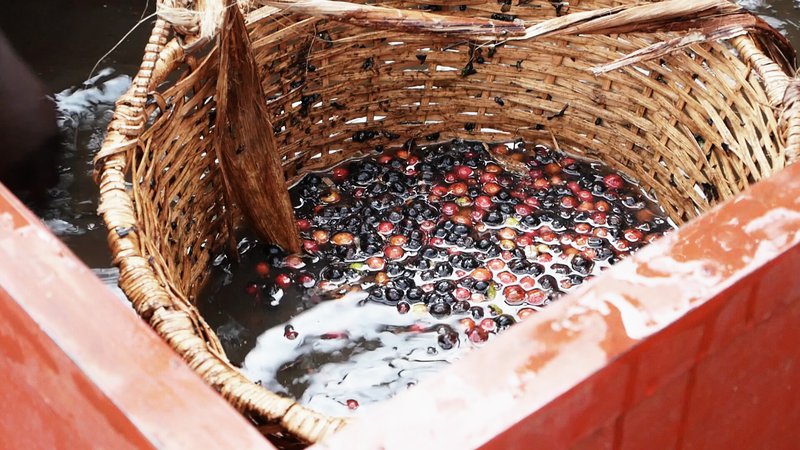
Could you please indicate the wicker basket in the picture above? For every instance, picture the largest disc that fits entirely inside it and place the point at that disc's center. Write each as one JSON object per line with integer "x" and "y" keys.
{"x": 695, "y": 124}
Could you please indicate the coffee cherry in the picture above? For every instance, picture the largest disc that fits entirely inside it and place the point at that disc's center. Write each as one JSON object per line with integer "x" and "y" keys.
{"x": 252, "y": 289}
{"x": 289, "y": 332}
{"x": 447, "y": 339}
{"x": 458, "y": 189}
{"x": 306, "y": 280}
{"x": 284, "y": 281}
{"x": 332, "y": 197}
{"x": 342, "y": 239}
{"x": 398, "y": 240}
{"x": 478, "y": 335}
{"x": 524, "y": 313}
{"x": 393, "y": 252}
{"x": 320, "y": 236}
{"x": 514, "y": 295}
{"x": 633, "y": 235}
{"x": 293, "y": 262}
{"x": 468, "y": 324}
{"x": 340, "y": 173}
{"x": 488, "y": 177}
{"x": 535, "y": 297}
{"x": 613, "y": 181}
{"x": 484, "y": 202}
{"x": 491, "y": 188}
{"x": 462, "y": 172}
{"x": 310, "y": 246}
{"x": 481, "y": 274}
{"x": 303, "y": 224}
{"x": 449, "y": 208}
{"x": 262, "y": 269}
{"x": 375, "y": 263}
{"x": 503, "y": 321}
{"x": 439, "y": 309}
{"x": 385, "y": 227}
{"x": 461, "y": 293}
{"x": 487, "y": 325}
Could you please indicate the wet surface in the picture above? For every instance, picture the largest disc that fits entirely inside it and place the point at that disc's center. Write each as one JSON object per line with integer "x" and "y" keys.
{"x": 784, "y": 15}
{"x": 627, "y": 336}
{"x": 61, "y": 40}
{"x": 396, "y": 247}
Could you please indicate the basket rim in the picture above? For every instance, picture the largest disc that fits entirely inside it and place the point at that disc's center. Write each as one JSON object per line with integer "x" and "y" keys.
{"x": 174, "y": 318}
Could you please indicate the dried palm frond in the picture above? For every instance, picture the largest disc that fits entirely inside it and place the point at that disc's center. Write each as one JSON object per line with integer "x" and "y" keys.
{"x": 705, "y": 20}
{"x": 245, "y": 146}
{"x": 399, "y": 19}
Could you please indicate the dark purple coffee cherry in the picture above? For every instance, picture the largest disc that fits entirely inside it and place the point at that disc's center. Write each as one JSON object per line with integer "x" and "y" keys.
{"x": 447, "y": 339}
{"x": 445, "y": 286}
{"x": 421, "y": 263}
{"x": 493, "y": 218}
{"x": 376, "y": 295}
{"x": 393, "y": 294}
{"x": 480, "y": 286}
{"x": 394, "y": 269}
{"x": 561, "y": 269}
{"x": 443, "y": 269}
{"x": 403, "y": 283}
{"x": 548, "y": 283}
{"x": 439, "y": 309}
{"x": 531, "y": 220}
{"x": 428, "y": 275}
{"x": 476, "y": 312}
{"x": 504, "y": 321}
{"x": 594, "y": 242}
{"x": 332, "y": 273}
{"x": 403, "y": 307}
{"x": 415, "y": 295}
{"x": 582, "y": 265}
{"x": 460, "y": 307}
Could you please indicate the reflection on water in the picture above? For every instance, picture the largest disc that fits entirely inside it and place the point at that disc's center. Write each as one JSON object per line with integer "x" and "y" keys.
{"x": 71, "y": 212}
{"x": 784, "y": 15}
{"x": 83, "y": 114}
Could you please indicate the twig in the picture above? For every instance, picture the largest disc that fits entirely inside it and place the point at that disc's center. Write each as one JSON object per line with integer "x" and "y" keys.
{"x": 91, "y": 72}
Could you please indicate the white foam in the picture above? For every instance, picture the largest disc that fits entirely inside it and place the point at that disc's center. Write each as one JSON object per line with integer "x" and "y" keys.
{"x": 80, "y": 104}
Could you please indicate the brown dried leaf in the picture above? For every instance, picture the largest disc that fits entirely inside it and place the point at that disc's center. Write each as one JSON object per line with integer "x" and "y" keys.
{"x": 245, "y": 145}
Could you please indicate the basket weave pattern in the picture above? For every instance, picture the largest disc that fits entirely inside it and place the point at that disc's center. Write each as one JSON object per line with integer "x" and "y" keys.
{"x": 694, "y": 127}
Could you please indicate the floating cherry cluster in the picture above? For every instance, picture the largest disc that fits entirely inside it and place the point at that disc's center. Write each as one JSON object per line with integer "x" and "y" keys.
{"x": 488, "y": 234}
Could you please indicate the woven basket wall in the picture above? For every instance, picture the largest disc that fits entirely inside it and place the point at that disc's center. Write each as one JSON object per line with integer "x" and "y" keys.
{"x": 695, "y": 126}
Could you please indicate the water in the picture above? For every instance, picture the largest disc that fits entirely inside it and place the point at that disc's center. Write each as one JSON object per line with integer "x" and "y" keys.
{"x": 784, "y": 15}
{"x": 395, "y": 255}
{"x": 61, "y": 40}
